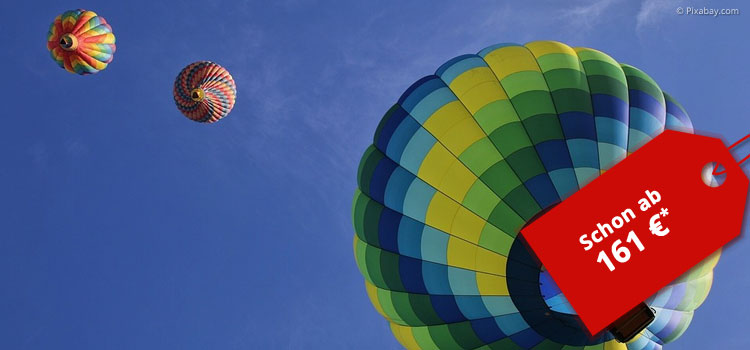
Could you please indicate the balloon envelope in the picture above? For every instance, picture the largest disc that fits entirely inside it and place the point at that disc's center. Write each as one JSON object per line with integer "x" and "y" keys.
{"x": 81, "y": 42}
{"x": 204, "y": 92}
{"x": 464, "y": 159}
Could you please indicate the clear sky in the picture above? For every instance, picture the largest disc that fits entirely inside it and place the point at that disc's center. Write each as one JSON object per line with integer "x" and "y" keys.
{"x": 126, "y": 226}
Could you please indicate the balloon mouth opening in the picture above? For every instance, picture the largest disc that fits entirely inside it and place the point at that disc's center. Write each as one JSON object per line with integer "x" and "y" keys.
{"x": 538, "y": 300}
{"x": 69, "y": 42}
{"x": 553, "y": 296}
{"x": 197, "y": 95}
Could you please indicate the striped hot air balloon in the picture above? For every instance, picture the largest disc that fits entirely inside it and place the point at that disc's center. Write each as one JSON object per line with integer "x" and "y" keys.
{"x": 464, "y": 159}
{"x": 81, "y": 42}
{"x": 204, "y": 92}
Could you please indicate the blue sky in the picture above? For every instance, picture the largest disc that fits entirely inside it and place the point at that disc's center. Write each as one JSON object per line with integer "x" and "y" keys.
{"x": 127, "y": 226}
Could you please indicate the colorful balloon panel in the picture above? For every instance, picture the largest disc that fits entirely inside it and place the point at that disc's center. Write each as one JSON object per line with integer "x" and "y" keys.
{"x": 204, "y": 92}
{"x": 464, "y": 159}
{"x": 81, "y": 42}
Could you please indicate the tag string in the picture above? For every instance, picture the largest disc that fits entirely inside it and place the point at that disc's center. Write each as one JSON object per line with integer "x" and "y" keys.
{"x": 730, "y": 147}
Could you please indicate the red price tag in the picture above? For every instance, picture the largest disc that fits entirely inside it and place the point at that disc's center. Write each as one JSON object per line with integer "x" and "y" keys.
{"x": 650, "y": 218}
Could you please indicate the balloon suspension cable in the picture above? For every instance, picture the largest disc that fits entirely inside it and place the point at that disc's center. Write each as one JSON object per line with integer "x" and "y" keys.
{"x": 737, "y": 143}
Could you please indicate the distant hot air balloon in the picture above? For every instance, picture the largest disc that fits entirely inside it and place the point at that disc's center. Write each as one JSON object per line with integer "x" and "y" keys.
{"x": 81, "y": 42}
{"x": 470, "y": 154}
{"x": 204, "y": 92}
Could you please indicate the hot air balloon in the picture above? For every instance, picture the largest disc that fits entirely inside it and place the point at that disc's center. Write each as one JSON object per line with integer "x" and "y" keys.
{"x": 81, "y": 42}
{"x": 470, "y": 154}
{"x": 204, "y": 92}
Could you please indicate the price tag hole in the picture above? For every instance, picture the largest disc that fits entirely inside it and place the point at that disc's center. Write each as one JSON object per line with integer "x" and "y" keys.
{"x": 713, "y": 174}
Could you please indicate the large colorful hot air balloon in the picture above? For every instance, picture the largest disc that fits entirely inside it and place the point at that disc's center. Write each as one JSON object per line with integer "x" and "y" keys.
{"x": 81, "y": 42}
{"x": 470, "y": 154}
{"x": 204, "y": 92}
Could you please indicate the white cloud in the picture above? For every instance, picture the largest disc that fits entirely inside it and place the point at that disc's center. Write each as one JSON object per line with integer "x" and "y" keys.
{"x": 586, "y": 18}
{"x": 592, "y": 10}
{"x": 652, "y": 11}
